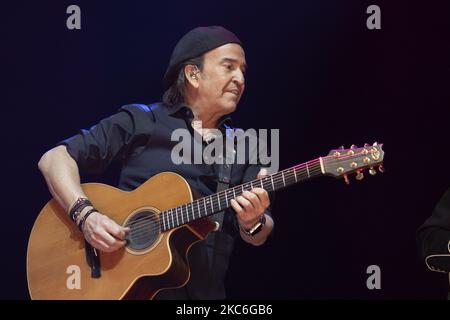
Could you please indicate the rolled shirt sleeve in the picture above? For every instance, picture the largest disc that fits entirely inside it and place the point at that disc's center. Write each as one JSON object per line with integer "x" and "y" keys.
{"x": 111, "y": 139}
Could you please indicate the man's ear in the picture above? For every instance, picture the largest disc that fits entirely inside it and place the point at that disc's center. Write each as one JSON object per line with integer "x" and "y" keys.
{"x": 191, "y": 74}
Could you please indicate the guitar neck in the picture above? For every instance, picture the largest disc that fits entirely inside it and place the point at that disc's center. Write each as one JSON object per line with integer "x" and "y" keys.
{"x": 217, "y": 202}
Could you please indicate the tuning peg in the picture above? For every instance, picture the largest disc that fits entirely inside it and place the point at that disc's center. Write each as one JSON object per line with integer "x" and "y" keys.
{"x": 366, "y": 145}
{"x": 375, "y": 143}
{"x": 359, "y": 175}
{"x": 381, "y": 168}
{"x": 353, "y": 146}
{"x": 372, "y": 171}
{"x": 346, "y": 179}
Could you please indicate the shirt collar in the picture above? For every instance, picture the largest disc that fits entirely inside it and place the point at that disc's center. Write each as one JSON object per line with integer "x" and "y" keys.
{"x": 180, "y": 109}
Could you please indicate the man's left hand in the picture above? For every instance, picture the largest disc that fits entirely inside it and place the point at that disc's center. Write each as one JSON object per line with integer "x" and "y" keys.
{"x": 250, "y": 206}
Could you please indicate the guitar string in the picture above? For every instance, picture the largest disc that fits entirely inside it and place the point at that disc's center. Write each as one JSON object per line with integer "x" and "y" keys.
{"x": 289, "y": 175}
{"x": 239, "y": 189}
{"x": 154, "y": 225}
{"x": 186, "y": 214}
{"x": 229, "y": 190}
{"x": 142, "y": 224}
{"x": 276, "y": 180}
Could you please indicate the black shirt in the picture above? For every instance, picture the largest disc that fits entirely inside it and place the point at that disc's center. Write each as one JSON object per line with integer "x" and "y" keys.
{"x": 433, "y": 237}
{"x": 139, "y": 137}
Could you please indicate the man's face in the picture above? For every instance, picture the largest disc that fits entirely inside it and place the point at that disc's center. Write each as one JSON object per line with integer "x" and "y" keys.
{"x": 221, "y": 82}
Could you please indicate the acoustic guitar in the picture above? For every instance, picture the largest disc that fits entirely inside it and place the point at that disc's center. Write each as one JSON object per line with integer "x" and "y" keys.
{"x": 165, "y": 221}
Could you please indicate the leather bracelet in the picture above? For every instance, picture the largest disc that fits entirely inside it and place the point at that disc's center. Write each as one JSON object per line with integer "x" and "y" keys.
{"x": 83, "y": 219}
{"x": 79, "y": 205}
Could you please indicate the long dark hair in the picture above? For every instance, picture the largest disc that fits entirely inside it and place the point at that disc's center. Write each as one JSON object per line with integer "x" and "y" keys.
{"x": 175, "y": 94}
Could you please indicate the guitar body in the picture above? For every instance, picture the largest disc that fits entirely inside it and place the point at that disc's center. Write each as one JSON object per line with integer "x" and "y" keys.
{"x": 57, "y": 264}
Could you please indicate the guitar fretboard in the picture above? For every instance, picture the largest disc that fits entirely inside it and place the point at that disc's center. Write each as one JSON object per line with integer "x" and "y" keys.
{"x": 217, "y": 202}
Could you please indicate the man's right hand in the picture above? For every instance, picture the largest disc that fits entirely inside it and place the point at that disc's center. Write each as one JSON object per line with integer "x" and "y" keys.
{"x": 103, "y": 233}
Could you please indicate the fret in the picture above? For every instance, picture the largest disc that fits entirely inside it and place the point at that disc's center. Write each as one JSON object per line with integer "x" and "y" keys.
{"x": 218, "y": 202}
{"x": 273, "y": 187}
{"x": 307, "y": 170}
{"x": 168, "y": 220}
{"x": 181, "y": 213}
{"x": 284, "y": 181}
{"x": 164, "y": 222}
{"x": 204, "y": 203}
{"x": 192, "y": 209}
{"x": 211, "y": 203}
{"x": 295, "y": 174}
{"x": 226, "y": 198}
{"x": 198, "y": 207}
{"x": 172, "y": 219}
{"x": 262, "y": 187}
{"x": 182, "y": 218}
{"x": 234, "y": 194}
{"x": 176, "y": 216}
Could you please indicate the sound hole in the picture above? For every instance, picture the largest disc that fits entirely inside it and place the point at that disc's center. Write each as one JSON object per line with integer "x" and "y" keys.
{"x": 144, "y": 230}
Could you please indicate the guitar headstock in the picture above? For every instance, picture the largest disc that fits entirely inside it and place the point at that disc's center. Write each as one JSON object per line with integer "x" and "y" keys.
{"x": 342, "y": 162}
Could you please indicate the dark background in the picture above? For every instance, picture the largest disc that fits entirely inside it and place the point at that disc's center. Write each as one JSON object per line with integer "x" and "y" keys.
{"x": 315, "y": 72}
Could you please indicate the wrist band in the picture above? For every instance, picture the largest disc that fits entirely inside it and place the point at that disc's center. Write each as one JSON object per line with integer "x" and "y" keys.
{"x": 79, "y": 205}
{"x": 83, "y": 219}
{"x": 256, "y": 228}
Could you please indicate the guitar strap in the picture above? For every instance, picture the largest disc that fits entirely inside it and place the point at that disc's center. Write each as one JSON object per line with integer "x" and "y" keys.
{"x": 224, "y": 179}
{"x": 219, "y": 244}
{"x": 93, "y": 259}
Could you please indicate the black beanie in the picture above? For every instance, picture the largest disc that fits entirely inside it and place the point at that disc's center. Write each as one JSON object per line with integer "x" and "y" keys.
{"x": 194, "y": 43}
